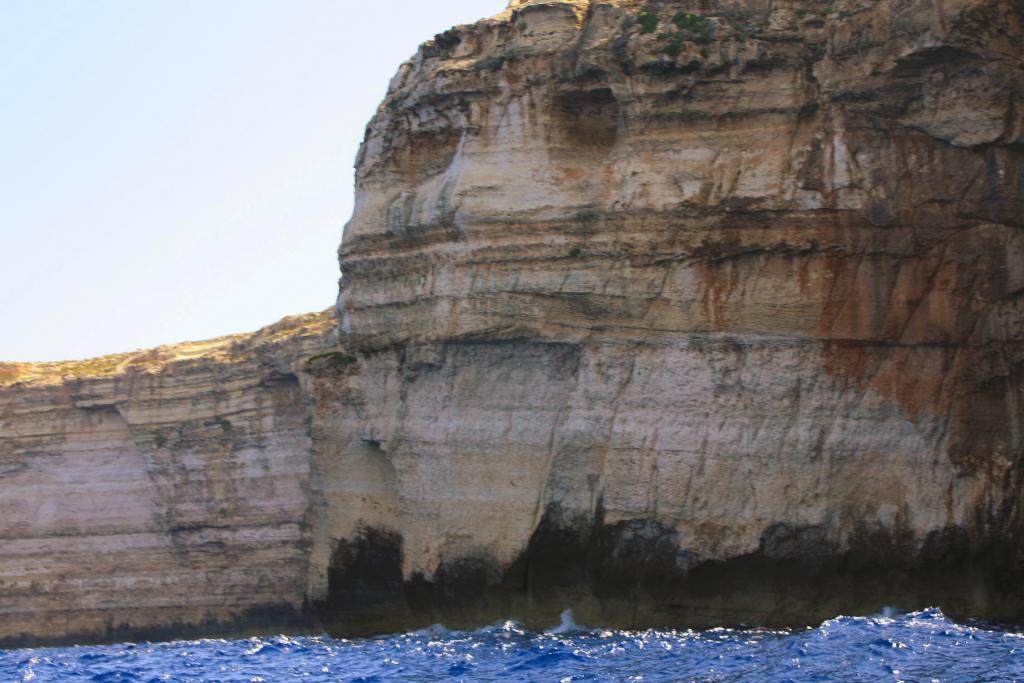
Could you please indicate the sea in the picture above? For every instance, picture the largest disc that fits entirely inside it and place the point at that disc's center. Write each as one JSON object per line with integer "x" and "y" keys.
{"x": 923, "y": 647}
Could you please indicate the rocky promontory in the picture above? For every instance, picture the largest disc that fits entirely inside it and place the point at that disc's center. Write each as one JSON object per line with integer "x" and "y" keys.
{"x": 675, "y": 313}
{"x": 160, "y": 493}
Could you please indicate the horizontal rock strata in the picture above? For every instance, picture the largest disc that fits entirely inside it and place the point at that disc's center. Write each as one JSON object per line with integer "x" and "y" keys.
{"x": 688, "y": 313}
{"x": 677, "y": 313}
{"x": 158, "y": 494}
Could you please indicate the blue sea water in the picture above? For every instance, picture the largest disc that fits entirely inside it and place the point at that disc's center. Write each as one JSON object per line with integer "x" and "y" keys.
{"x": 921, "y": 647}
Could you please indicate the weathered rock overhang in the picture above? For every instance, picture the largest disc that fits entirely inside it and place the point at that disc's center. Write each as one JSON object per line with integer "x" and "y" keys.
{"x": 714, "y": 323}
{"x": 784, "y": 246}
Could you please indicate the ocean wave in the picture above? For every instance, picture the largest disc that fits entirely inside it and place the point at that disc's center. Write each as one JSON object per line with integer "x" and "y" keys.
{"x": 922, "y": 646}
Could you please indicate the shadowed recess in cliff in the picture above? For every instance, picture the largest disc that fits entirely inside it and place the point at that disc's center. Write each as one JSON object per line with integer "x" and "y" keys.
{"x": 638, "y": 573}
{"x": 365, "y": 571}
{"x": 587, "y": 122}
{"x": 703, "y": 316}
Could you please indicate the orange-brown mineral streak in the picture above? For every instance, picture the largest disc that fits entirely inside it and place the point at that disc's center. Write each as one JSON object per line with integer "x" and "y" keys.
{"x": 911, "y": 328}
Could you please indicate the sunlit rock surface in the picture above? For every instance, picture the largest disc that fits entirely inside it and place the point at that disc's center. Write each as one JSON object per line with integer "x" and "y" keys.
{"x": 712, "y": 320}
{"x": 158, "y": 493}
{"x": 673, "y": 313}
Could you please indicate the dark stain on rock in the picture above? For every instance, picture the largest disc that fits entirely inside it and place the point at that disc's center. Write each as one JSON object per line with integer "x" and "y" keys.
{"x": 365, "y": 571}
{"x": 463, "y": 584}
{"x": 808, "y": 544}
{"x": 635, "y": 557}
{"x": 260, "y": 620}
{"x": 556, "y": 554}
{"x": 637, "y": 573}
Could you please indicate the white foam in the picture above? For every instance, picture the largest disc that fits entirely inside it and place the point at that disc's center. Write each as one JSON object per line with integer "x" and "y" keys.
{"x": 434, "y": 631}
{"x": 567, "y": 625}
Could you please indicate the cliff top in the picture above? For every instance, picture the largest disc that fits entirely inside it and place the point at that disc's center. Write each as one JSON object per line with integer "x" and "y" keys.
{"x": 232, "y": 347}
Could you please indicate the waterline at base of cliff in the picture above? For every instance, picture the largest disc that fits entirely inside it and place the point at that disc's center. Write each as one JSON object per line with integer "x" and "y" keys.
{"x": 920, "y": 646}
{"x": 677, "y": 314}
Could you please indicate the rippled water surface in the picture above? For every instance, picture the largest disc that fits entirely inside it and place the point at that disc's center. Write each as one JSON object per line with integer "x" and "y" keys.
{"x": 923, "y": 646}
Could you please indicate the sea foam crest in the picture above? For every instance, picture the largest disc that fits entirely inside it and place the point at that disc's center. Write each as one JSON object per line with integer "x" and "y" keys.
{"x": 567, "y": 625}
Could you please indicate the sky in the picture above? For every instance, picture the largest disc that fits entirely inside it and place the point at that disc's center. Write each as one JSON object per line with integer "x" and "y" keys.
{"x": 176, "y": 170}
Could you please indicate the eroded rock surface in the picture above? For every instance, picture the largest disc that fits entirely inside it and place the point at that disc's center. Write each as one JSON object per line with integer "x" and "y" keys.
{"x": 689, "y": 313}
{"x": 161, "y": 493}
{"x": 675, "y": 313}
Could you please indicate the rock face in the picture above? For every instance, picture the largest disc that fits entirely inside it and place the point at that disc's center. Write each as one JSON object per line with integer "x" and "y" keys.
{"x": 160, "y": 493}
{"x": 686, "y": 313}
{"x": 675, "y": 313}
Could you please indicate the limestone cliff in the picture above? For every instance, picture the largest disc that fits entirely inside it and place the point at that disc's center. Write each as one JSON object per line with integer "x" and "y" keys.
{"x": 688, "y": 312}
{"x": 158, "y": 493}
{"x": 675, "y": 313}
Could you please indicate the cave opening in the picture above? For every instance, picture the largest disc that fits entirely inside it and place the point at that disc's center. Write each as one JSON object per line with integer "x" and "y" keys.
{"x": 588, "y": 120}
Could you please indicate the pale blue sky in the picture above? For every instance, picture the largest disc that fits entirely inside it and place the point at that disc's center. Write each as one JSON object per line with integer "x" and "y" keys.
{"x": 175, "y": 170}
